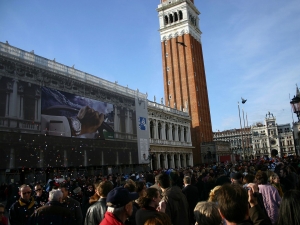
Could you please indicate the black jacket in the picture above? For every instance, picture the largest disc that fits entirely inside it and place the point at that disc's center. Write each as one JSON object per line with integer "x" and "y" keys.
{"x": 51, "y": 213}
{"x": 95, "y": 212}
{"x": 20, "y": 211}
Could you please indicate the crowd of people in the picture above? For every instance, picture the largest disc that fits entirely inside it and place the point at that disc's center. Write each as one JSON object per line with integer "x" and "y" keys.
{"x": 248, "y": 192}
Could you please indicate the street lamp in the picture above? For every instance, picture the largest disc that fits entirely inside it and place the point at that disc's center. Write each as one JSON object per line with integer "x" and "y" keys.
{"x": 295, "y": 103}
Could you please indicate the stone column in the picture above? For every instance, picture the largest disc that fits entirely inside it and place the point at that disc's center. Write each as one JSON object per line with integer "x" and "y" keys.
{"x": 158, "y": 161}
{"x": 170, "y": 133}
{"x": 176, "y": 132}
{"x": 13, "y": 100}
{"x": 179, "y": 161}
{"x": 127, "y": 126}
{"x": 116, "y": 118}
{"x": 165, "y": 161}
{"x": 156, "y": 130}
{"x": 188, "y": 134}
{"x": 182, "y": 134}
{"x": 163, "y": 131}
{"x": 173, "y": 160}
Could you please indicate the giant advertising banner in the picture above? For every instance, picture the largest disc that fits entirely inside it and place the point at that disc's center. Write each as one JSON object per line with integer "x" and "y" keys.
{"x": 69, "y": 115}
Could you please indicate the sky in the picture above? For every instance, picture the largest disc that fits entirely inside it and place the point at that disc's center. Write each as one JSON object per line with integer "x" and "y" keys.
{"x": 251, "y": 48}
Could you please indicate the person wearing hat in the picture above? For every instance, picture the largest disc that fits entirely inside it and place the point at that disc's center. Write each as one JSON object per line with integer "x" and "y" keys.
{"x": 236, "y": 178}
{"x": 119, "y": 206}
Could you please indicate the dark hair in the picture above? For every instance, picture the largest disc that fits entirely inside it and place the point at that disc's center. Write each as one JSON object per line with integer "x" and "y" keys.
{"x": 146, "y": 200}
{"x": 233, "y": 202}
{"x": 2, "y": 206}
{"x": 139, "y": 186}
{"x": 159, "y": 218}
{"x": 164, "y": 180}
{"x": 249, "y": 178}
{"x": 261, "y": 177}
{"x": 289, "y": 208}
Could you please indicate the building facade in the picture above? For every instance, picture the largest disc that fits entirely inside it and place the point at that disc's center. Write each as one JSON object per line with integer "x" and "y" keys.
{"x": 240, "y": 141}
{"x": 57, "y": 120}
{"x": 185, "y": 84}
{"x": 170, "y": 137}
{"x": 260, "y": 140}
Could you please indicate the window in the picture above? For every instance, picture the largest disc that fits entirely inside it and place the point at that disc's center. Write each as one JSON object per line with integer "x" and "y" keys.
{"x": 166, "y": 20}
{"x": 169, "y": 82}
{"x": 170, "y": 96}
{"x": 180, "y": 15}
{"x": 167, "y": 54}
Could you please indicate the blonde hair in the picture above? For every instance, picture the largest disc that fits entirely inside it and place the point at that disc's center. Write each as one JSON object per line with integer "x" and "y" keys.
{"x": 213, "y": 194}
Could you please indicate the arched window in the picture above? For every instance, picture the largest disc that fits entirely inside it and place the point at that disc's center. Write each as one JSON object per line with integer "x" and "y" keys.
{"x": 180, "y": 15}
{"x": 159, "y": 130}
{"x": 151, "y": 129}
{"x": 166, "y": 20}
{"x": 166, "y": 130}
{"x": 173, "y": 133}
{"x": 171, "y": 18}
{"x": 175, "y": 17}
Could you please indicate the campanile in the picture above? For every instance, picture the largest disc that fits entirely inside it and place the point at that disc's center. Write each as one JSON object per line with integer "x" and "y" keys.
{"x": 185, "y": 85}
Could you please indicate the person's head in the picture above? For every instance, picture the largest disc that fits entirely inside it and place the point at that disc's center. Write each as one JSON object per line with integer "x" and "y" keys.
{"x": 2, "y": 211}
{"x": 261, "y": 177}
{"x": 289, "y": 208}
{"x": 236, "y": 178}
{"x": 130, "y": 185}
{"x": 38, "y": 190}
{"x": 140, "y": 187}
{"x": 187, "y": 180}
{"x": 25, "y": 192}
{"x": 164, "y": 180}
{"x": 213, "y": 194}
{"x": 282, "y": 172}
{"x": 65, "y": 190}
{"x": 55, "y": 195}
{"x": 104, "y": 188}
{"x": 152, "y": 198}
{"x": 120, "y": 202}
{"x": 159, "y": 218}
{"x": 249, "y": 178}
{"x": 274, "y": 179}
{"x": 233, "y": 203}
{"x": 206, "y": 213}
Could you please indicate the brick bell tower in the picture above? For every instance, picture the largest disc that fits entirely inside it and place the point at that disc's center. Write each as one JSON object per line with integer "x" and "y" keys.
{"x": 183, "y": 67}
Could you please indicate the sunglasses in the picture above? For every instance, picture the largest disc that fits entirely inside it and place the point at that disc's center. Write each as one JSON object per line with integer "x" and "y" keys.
{"x": 28, "y": 193}
{"x": 38, "y": 190}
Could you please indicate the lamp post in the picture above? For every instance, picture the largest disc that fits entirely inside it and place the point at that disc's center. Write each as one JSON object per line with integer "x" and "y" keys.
{"x": 295, "y": 103}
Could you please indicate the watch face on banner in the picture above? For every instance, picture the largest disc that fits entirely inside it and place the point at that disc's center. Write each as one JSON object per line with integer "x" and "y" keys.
{"x": 142, "y": 123}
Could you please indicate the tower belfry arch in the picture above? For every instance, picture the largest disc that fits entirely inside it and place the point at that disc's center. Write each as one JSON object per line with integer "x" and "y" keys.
{"x": 185, "y": 86}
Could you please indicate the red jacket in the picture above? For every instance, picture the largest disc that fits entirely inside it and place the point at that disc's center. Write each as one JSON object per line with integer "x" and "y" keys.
{"x": 110, "y": 219}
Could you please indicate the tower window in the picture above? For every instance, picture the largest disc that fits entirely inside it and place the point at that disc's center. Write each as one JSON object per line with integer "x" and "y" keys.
{"x": 196, "y": 88}
{"x": 169, "y": 82}
{"x": 170, "y": 96}
{"x": 168, "y": 68}
{"x": 166, "y": 20}
{"x": 166, "y": 54}
{"x": 171, "y": 18}
{"x": 166, "y": 42}
{"x": 180, "y": 15}
{"x": 195, "y": 73}
{"x": 175, "y": 17}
